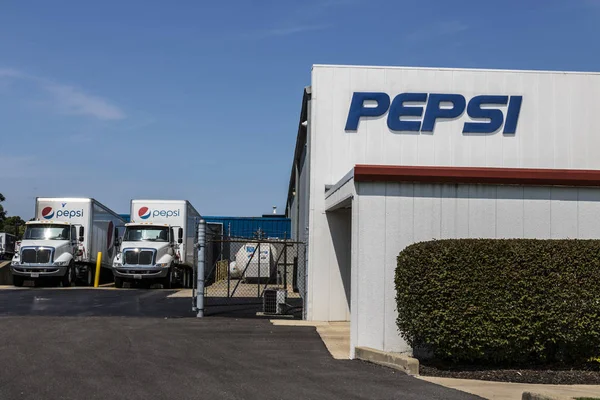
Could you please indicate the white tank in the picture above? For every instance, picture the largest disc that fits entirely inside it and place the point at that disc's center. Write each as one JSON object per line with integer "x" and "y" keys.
{"x": 265, "y": 269}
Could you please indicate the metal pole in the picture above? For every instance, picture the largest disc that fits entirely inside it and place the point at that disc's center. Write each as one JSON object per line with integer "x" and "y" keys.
{"x": 285, "y": 250}
{"x": 201, "y": 262}
{"x": 258, "y": 283}
{"x": 228, "y": 273}
{"x": 98, "y": 267}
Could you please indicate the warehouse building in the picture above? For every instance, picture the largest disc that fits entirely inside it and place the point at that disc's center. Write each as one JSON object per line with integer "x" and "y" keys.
{"x": 387, "y": 157}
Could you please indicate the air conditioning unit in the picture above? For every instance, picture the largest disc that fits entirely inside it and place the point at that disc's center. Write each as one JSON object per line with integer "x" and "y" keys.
{"x": 274, "y": 301}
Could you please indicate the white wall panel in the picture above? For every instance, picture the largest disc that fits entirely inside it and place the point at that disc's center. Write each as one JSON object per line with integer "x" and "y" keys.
{"x": 536, "y": 206}
{"x": 482, "y": 211}
{"x": 563, "y": 212}
{"x": 509, "y": 212}
{"x": 392, "y": 216}
{"x": 588, "y": 213}
{"x": 371, "y": 277}
{"x": 399, "y": 233}
{"x": 448, "y": 222}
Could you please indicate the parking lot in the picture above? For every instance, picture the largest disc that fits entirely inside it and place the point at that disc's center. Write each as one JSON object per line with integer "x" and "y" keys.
{"x": 143, "y": 344}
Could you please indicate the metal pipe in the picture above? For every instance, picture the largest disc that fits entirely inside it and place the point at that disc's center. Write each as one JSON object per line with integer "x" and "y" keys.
{"x": 201, "y": 264}
{"x": 285, "y": 260}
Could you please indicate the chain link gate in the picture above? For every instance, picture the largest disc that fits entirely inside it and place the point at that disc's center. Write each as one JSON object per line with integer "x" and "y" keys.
{"x": 245, "y": 277}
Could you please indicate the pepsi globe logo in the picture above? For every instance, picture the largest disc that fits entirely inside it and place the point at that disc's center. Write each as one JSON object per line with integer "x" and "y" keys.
{"x": 47, "y": 212}
{"x": 144, "y": 213}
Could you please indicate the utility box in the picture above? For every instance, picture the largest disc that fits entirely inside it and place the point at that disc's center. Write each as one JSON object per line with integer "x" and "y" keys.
{"x": 274, "y": 301}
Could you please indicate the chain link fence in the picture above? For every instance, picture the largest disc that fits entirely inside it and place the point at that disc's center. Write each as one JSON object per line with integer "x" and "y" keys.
{"x": 244, "y": 272}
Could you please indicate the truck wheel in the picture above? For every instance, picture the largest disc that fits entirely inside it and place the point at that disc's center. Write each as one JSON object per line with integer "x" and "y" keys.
{"x": 168, "y": 280}
{"x": 89, "y": 276}
{"x": 18, "y": 280}
{"x": 118, "y": 282}
{"x": 69, "y": 278}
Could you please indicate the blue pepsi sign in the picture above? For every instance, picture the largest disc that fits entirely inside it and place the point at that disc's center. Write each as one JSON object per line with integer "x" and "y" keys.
{"x": 425, "y": 109}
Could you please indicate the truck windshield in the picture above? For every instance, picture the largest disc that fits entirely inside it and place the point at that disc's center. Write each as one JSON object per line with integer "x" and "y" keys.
{"x": 141, "y": 233}
{"x": 46, "y": 232}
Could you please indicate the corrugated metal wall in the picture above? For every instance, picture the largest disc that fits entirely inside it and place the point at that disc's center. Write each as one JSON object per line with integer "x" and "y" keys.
{"x": 269, "y": 227}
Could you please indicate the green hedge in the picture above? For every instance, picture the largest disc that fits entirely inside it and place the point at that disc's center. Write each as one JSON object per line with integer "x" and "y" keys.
{"x": 501, "y": 301}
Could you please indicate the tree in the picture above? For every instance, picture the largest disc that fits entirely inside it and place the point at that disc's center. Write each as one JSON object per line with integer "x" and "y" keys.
{"x": 2, "y": 212}
{"x": 11, "y": 222}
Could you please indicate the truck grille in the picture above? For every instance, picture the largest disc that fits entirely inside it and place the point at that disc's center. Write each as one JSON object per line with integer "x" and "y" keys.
{"x": 142, "y": 257}
{"x": 36, "y": 256}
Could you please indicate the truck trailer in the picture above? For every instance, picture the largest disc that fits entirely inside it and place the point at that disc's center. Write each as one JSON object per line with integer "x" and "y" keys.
{"x": 7, "y": 245}
{"x": 159, "y": 244}
{"x": 64, "y": 239}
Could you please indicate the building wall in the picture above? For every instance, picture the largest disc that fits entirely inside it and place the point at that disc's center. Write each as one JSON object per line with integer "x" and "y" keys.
{"x": 271, "y": 227}
{"x": 392, "y": 216}
{"x": 556, "y": 129}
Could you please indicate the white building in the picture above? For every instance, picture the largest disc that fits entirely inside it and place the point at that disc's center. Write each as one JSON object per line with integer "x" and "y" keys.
{"x": 374, "y": 172}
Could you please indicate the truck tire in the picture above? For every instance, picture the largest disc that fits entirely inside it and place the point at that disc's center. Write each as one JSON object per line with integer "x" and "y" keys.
{"x": 18, "y": 280}
{"x": 89, "y": 276}
{"x": 118, "y": 282}
{"x": 69, "y": 278}
{"x": 168, "y": 280}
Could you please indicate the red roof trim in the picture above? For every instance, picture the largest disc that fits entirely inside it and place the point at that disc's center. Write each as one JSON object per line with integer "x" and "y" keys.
{"x": 492, "y": 176}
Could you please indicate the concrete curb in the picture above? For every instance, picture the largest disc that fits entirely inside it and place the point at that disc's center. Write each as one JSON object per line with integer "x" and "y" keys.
{"x": 540, "y": 396}
{"x": 401, "y": 362}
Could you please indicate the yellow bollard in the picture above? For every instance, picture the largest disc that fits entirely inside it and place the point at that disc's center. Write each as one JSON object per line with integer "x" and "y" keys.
{"x": 98, "y": 266}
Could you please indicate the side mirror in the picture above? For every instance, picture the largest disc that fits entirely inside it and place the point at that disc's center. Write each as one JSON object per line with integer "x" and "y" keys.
{"x": 81, "y": 233}
{"x": 180, "y": 236}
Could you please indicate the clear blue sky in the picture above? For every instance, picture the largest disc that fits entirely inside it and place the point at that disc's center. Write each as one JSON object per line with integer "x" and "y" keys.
{"x": 200, "y": 100}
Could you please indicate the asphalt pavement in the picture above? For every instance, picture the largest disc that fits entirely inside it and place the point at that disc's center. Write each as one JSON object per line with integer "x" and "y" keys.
{"x": 140, "y": 344}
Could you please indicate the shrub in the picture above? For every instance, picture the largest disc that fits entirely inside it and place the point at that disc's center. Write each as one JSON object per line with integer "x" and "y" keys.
{"x": 496, "y": 301}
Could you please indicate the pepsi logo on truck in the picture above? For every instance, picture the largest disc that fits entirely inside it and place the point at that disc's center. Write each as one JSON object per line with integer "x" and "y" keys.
{"x": 419, "y": 112}
{"x": 145, "y": 213}
{"x": 49, "y": 213}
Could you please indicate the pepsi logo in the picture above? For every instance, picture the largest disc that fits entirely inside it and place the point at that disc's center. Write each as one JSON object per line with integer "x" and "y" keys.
{"x": 144, "y": 213}
{"x": 47, "y": 212}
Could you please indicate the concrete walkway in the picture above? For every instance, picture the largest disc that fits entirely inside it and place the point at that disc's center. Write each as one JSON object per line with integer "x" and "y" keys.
{"x": 335, "y": 335}
{"x": 514, "y": 391}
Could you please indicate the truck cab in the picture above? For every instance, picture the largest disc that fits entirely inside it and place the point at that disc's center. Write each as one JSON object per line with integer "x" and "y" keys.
{"x": 150, "y": 253}
{"x": 48, "y": 249}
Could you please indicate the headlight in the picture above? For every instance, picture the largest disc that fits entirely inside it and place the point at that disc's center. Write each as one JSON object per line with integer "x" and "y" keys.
{"x": 162, "y": 265}
{"x": 61, "y": 263}
{"x": 117, "y": 265}
{"x": 13, "y": 263}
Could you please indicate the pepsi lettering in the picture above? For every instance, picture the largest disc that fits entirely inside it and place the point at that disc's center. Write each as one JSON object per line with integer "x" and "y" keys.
{"x": 49, "y": 213}
{"x": 419, "y": 112}
{"x": 165, "y": 213}
{"x": 69, "y": 213}
{"x": 145, "y": 213}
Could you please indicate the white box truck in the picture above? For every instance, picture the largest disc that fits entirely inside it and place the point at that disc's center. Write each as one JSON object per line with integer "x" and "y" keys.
{"x": 7, "y": 245}
{"x": 64, "y": 239}
{"x": 159, "y": 244}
